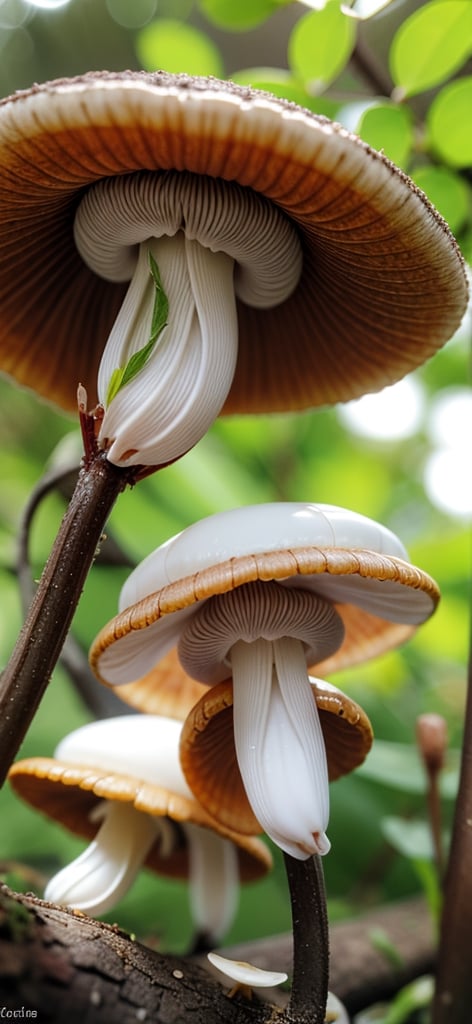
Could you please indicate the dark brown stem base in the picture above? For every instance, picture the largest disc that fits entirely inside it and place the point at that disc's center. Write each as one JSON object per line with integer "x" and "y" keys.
{"x": 309, "y": 993}
{"x": 39, "y": 644}
{"x": 453, "y": 999}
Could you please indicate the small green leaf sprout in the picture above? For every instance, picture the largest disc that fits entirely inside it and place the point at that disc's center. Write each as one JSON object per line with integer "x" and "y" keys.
{"x": 124, "y": 374}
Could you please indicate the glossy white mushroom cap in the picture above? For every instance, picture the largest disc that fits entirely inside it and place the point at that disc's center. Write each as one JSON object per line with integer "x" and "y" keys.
{"x": 340, "y": 555}
{"x": 257, "y": 528}
{"x": 145, "y": 746}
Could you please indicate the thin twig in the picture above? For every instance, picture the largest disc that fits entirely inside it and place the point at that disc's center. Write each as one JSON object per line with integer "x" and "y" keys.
{"x": 370, "y": 69}
{"x": 40, "y": 642}
{"x": 453, "y": 999}
{"x": 99, "y": 700}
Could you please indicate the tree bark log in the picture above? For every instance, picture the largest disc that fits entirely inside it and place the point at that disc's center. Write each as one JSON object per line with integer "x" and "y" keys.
{"x": 64, "y": 966}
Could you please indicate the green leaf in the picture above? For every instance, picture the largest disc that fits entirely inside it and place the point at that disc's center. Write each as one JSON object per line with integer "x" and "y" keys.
{"x": 172, "y": 45}
{"x": 448, "y": 123}
{"x": 160, "y": 310}
{"x": 447, "y": 191}
{"x": 466, "y": 245}
{"x": 114, "y": 384}
{"x": 427, "y": 873}
{"x": 239, "y": 16}
{"x": 398, "y": 765}
{"x": 382, "y": 942}
{"x": 320, "y": 46}
{"x": 388, "y": 127}
{"x": 123, "y": 375}
{"x": 415, "y": 996}
{"x": 410, "y": 838}
{"x": 132, "y": 15}
{"x": 282, "y": 84}
{"x": 431, "y": 45}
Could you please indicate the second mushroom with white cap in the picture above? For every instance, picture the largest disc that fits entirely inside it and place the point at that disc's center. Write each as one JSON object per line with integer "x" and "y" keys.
{"x": 260, "y": 593}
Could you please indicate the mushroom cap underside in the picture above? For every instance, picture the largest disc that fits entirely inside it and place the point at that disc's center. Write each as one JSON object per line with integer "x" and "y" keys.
{"x": 383, "y": 283}
{"x": 208, "y": 752}
{"x": 356, "y": 581}
{"x": 68, "y": 794}
{"x": 165, "y": 690}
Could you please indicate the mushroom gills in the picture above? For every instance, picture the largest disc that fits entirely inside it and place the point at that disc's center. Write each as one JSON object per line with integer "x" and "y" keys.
{"x": 212, "y": 241}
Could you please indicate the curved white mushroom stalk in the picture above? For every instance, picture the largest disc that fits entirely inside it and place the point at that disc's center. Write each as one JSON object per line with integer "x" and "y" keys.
{"x": 104, "y": 872}
{"x": 210, "y": 240}
{"x": 267, "y": 634}
{"x": 143, "y": 745}
{"x": 213, "y": 881}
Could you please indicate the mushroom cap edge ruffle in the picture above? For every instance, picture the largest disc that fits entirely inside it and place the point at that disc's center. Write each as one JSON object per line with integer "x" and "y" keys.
{"x": 68, "y": 793}
{"x": 366, "y": 635}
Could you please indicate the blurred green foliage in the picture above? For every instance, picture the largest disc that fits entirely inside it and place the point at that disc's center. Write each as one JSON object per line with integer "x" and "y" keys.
{"x": 333, "y": 62}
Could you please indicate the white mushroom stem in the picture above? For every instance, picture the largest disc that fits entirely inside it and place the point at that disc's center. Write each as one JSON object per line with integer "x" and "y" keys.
{"x": 266, "y": 633}
{"x": 104, "y": 872}
{"x": 213, "y": 881}
{"x": 211, "y": 240}
{"x": 279, "y": 744}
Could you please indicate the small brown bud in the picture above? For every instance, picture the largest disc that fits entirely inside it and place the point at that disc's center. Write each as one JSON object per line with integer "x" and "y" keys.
{"x": 431, "y": 737}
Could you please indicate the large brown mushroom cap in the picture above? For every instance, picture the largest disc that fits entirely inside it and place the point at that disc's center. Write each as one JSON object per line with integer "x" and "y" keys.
{"x": 208, "y": 753}
{"x": 383, "y": 283}
{"x": 68, "y": 793}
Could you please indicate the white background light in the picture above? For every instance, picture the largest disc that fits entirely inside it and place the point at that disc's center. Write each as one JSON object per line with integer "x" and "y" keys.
{"x": 391, "y": 415}
{"x": 448, "y": 481}
{"x": 48, "y": 5}
{"x": 448, "y": 470}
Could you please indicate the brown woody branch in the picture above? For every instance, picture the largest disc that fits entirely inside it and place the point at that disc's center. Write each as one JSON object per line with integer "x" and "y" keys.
{"x": 69, "y": 967}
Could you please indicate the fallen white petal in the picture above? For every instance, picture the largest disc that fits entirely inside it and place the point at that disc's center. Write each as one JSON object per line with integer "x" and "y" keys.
{"x": 245, "y": 973}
